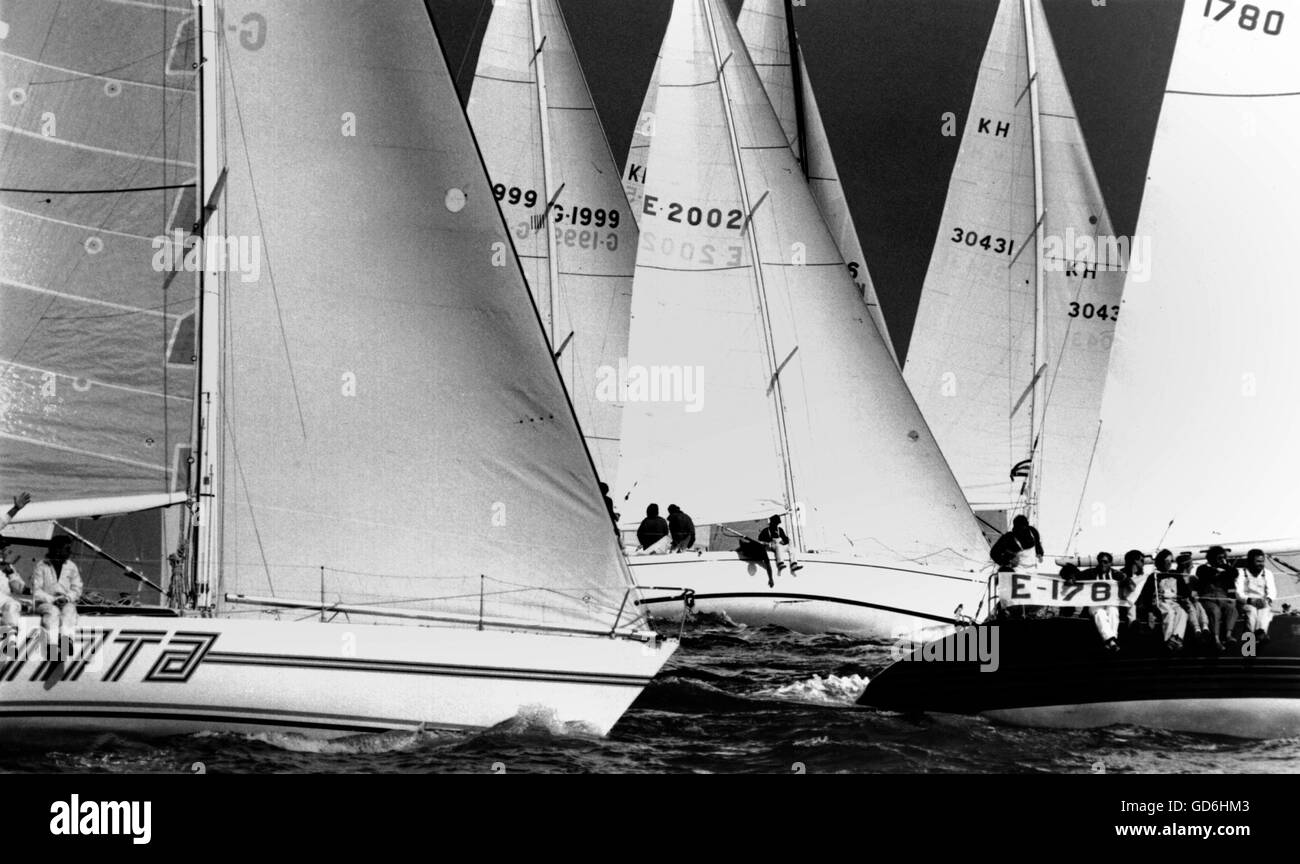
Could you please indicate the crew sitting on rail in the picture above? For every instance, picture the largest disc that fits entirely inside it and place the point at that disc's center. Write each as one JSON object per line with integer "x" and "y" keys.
{"x": 1216, "y": 583}
{"x": 10, "y": 582}
{"x": 56, "y": 588}
{"x": 1197, "y": 621}
{"x": 1256, "y": 591}
{"x": 652, "y": 533}
{"x": 1169, "y": 591}
{"x": 773, "y": 536}
{"x": 1105, "y": 618}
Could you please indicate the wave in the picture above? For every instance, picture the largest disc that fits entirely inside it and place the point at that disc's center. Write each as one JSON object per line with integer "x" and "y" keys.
{"x": 831, "y": 690}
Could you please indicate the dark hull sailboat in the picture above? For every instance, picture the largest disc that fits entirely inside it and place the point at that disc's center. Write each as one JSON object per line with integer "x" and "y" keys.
{"x": 1054, "y": 672}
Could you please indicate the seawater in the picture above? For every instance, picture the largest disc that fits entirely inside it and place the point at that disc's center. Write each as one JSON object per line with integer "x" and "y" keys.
{"x": 732, "y": 700}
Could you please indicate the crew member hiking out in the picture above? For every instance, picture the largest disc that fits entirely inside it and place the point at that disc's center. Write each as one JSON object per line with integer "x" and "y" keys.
{"x": 774, "y": 537}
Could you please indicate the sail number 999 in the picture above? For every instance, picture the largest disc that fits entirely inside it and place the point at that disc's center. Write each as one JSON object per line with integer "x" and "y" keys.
{"x": 1248, "y": 18}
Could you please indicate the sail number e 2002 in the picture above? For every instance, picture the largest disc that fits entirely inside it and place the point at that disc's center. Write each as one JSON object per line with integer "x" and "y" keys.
{"x": 1249, "y": 16}
{"x": 713, "y": 217}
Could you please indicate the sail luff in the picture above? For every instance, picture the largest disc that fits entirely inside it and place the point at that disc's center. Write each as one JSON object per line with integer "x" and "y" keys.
{"x": 747, "y": 207}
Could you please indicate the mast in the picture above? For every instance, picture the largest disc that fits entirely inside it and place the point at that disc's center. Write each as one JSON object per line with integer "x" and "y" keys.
{"x": 774, "y": 362}
{"x": 204, "y": 538}
{"x": 796, "y": 83}
{"x": 1038, "y": 381}
{"x": 535, "y": 21}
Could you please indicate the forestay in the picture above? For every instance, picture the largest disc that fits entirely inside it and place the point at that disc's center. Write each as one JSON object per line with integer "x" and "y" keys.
{"x": 394, "y": 427}
{"x": 1198, "y": 420}
{"x": 558, "y": 187}
{"x": 800, "y": 401}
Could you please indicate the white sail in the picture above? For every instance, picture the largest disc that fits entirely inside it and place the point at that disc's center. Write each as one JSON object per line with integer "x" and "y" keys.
{"x": 971, "y": 361}
{"x": 394, "y": 430}
{"x": 796, "y": 399}
{"x": 558, "y": 187}
{"x": 97, "y": 337}
{"x": 97, "y": 342}
{"x": 639, "y": 150}
{"x": 763, "y": 26}
{"x": 1200, "y": 402}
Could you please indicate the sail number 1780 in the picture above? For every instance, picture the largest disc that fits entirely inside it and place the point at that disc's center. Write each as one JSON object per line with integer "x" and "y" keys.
{"x": 1248, "y": 17}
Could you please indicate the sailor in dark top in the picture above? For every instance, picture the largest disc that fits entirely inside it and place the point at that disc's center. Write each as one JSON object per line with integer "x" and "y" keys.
{"x": 1216, "y": 583}
{"x": 1106, "y": 618}
{"x": 609, "y": 505}
{"x": 778, "y": 544}
{"x": 681, "y": 527}
{"x": 653, "y": 531}
{"x": 1022, "y": 538}
{"x": 1198, "y": 621}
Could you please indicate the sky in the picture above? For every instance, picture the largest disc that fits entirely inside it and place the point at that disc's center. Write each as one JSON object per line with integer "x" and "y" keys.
{"x": 885, "y": 72}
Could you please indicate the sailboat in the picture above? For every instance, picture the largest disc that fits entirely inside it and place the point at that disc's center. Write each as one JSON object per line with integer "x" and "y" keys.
{"x": 1196, "y": 423}
{"x": 558, "y": 186}
{"x": 385, "y": 513}
{"x": 794, "y": 405}
{"x": 767, "y": 30}
{"x": 1014, "y": 328}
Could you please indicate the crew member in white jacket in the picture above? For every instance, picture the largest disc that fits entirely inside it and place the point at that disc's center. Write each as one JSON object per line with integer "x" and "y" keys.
{"x": 56, "y": 588}
{"x": 1256, "y": 591}
{"x": 10, "y": 582}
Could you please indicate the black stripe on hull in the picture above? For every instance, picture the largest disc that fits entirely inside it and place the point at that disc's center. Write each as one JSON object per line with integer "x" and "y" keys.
{"x": 1060, "y": 662}
{"x": 781, "y": 595}
{"x": 442, "y": 670}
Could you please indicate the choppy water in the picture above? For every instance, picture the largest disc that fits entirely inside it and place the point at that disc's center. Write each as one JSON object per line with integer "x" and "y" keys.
{"x": 732, "y": 700}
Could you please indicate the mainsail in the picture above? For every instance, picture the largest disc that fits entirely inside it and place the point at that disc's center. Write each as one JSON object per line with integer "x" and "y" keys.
{"x": 394, "y": 431}
{"x": 1013, "y": 332}
{"x": 1197, "y": 438}
{"x": 97, "y": 174}
{"x": 741, "y": 289}
{"x": 558, "y": 186}
{"x": 767, "y": 33}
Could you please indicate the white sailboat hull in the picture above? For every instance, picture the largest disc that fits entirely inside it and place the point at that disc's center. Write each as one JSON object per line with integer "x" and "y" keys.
{"x": 164, "y": 676}
{"x": 831, "y": 593}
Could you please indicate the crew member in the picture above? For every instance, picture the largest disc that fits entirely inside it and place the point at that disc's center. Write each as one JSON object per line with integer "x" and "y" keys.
{"x": 773, "y": 536}
{"x": 56, "y": 588}
{"x": 681, "y": 528}
{"x": 652, "y": 533}
{"x": 1256, "y": 591}
{"x": 1216, "y": 583}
